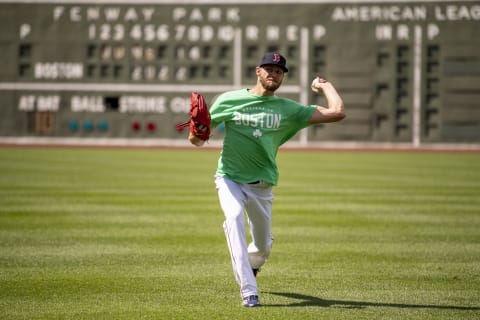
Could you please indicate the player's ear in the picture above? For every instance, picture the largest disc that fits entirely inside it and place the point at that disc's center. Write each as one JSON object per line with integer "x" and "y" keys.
{"x": 258, "y": 70}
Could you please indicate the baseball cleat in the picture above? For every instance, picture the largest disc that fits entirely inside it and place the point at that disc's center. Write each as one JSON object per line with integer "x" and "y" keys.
{"x": 255, "y": 271}
{"x": 251, "y": 301}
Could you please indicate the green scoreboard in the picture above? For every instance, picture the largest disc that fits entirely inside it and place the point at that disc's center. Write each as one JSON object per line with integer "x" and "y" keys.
{"x": 409, "y": 71}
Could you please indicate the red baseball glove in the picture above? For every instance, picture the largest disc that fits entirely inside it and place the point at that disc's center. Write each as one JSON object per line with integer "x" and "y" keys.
{"x": 200, "y": 121}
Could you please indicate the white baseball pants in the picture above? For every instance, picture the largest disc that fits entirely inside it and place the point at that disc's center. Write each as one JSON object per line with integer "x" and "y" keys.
{"x": 256, "y": 201}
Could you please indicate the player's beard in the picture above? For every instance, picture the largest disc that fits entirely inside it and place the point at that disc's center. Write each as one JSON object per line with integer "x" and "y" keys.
{"x": 270, "y": 85}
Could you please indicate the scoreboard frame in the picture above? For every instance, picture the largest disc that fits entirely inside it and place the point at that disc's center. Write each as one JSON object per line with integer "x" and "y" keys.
{"x": 95, "y": 69}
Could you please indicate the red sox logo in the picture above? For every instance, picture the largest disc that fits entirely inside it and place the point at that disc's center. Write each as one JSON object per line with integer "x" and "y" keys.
{"x": 276, "y": 57}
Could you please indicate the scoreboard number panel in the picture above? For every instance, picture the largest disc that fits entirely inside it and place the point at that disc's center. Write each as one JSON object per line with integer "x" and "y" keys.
{"x": 408, "y": 71}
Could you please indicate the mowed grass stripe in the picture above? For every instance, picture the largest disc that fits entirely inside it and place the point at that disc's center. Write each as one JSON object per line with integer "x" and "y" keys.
{"x": 136, "y": 234}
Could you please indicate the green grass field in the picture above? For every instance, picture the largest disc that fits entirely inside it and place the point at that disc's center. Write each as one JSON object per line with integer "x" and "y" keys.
{"x": 137, "y": 234}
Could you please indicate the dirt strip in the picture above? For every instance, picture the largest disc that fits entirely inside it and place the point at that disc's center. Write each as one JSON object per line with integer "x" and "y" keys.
{"x": 330, "y": 146}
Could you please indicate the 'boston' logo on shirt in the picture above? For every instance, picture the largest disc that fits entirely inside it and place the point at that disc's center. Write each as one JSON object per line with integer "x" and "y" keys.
{"x": 258, "y": 120}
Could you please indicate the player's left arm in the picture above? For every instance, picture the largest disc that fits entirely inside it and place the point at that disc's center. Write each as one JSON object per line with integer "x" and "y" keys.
{"x": 335, "y": 110}
{"x": 214, "y": 123}
{"x": 218, "y": 115}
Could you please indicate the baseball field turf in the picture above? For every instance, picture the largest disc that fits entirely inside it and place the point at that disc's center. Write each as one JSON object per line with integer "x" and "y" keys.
{"x": 137, "y": 234}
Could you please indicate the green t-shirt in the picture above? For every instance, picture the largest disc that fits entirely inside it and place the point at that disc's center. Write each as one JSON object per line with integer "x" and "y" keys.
{"x": 255, "y": 127}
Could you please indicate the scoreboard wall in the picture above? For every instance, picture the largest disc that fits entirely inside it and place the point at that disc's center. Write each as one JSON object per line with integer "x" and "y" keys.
{"x": 408, "y": 71}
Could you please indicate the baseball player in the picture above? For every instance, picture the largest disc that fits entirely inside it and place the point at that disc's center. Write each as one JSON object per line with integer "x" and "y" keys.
{"x": 257, "y": 123}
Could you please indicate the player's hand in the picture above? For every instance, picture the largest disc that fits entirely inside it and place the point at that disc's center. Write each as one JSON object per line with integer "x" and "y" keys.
{"x": 318, "y": 84}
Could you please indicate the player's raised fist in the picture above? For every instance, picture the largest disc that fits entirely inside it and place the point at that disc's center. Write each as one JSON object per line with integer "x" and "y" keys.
{"x": 317, "y": 84}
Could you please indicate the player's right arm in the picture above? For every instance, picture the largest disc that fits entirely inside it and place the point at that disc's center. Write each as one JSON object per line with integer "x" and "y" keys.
{"x": 335, "y": 110}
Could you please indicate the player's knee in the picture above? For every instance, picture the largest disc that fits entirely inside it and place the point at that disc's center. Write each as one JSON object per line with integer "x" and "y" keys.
{"x": 234, "y": 216}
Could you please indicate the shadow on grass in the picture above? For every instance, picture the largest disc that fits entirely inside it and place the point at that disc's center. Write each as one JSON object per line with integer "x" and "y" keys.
{"x": 310, "y": 301}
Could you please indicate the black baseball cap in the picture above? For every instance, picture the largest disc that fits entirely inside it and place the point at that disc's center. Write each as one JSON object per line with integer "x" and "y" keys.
{"x": 274, "y": 58}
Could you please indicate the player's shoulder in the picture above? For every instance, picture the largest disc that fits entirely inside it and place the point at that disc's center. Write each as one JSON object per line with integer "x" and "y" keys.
{"x": 234, "y": 93}
{"x": 289, "y": 102}
{"x": 230, "y": 96}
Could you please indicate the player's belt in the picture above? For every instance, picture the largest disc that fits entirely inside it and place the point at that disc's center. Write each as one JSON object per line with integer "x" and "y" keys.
{"x": 255, "y": 182}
